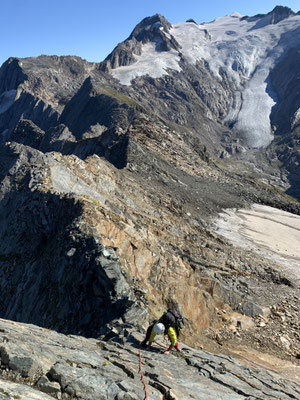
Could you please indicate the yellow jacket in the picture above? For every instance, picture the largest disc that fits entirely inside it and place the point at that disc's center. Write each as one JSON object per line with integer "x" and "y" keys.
{"x": 171, "y": 334}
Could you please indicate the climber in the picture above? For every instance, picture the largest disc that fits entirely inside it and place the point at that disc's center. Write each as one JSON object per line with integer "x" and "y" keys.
{"x": 169, "y": 324}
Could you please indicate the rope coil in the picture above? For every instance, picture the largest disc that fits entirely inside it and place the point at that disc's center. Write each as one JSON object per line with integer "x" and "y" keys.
{"x": 142, "y": 377}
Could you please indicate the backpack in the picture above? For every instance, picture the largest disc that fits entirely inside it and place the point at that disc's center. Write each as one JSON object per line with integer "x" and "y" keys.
{"x": 171, "y": 318}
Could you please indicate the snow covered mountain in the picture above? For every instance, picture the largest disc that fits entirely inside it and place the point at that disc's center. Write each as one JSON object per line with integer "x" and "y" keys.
{"x": 239, "y": 50}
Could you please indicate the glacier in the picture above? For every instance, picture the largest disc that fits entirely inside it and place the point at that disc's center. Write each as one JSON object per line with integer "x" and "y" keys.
{"x": 246, "y": 48}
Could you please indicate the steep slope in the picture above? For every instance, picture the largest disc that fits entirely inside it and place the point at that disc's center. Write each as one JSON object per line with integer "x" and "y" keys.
{"x": 71, "y": 367}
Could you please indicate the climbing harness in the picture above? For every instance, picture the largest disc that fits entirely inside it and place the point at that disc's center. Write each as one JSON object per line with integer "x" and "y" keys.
{"x": 142, "y": 377}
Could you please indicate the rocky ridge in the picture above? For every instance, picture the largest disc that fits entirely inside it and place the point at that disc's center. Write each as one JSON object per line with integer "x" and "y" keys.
{"x": 45, "y": 365}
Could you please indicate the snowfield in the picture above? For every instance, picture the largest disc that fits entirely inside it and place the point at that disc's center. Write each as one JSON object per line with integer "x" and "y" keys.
{"x": 246, "y": 48}
{"x": 150, "y": 62}
{"x": 271, "y": 232}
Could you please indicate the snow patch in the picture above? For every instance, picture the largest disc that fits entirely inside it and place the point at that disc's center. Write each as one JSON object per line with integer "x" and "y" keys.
{"x": 296, "y": 118}
{"x": 270, "y": 232}
{"x": 6, "y": 100}
{"x": 150, "y": 62}
{"x": 193, "y": 41}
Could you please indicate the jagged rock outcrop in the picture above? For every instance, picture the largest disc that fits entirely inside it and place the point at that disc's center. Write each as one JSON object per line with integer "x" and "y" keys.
{"x": 285, "y": 78}
{"x": 48, "y": 365}
{"x": 280, "y": 13}
{"x": 38, "y": 89}
{"x": 11, "y": 75}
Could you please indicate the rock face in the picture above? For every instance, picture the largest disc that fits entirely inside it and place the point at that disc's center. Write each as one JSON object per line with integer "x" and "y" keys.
{"x": 107, "y": 191}
{"x": 285, "y": 78}
{"x": 280, "y": 13}
{"x": 46, "y": 364}
{"x": 58, "y": 286}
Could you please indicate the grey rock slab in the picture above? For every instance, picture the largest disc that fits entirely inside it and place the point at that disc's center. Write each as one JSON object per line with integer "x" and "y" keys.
{"x": 135, "y": 315}
{"x": 13, "y": 391}
{"x": 45, "y": 344}
{"x": 18, "y": 359}
{"x": 223, "y": 375}
{"x": 172, "y": 373}
{"x": 252, "y": 381}
{"x": 83, "y": 382}
{"x": 127, "y": 396}
{"x": 64, "y": 181}
{"x": 48, "y": 387}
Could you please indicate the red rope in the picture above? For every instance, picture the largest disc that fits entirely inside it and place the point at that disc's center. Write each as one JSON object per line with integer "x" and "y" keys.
{"x": 142, "y": 376}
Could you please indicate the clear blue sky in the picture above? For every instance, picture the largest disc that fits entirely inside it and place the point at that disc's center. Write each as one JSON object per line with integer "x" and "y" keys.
{"x": 92, "y": 28}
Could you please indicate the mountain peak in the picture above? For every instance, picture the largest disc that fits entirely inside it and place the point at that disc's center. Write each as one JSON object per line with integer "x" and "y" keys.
{"x": 279, "y": 13}
{"x": 150, "y": 25}
{"x": 154, "y": 29}
{"x": 235, "y": 14}
{"x": 151, "y": 30}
